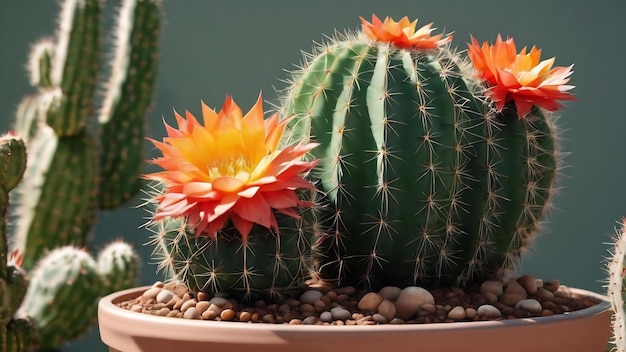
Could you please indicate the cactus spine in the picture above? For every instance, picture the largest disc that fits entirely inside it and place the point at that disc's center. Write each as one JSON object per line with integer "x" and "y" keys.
{"x": 15, "y": 334}
{"x": 72, "y": 172}
{"x": 617, "y": 289}
{"x": 424, "y": 182}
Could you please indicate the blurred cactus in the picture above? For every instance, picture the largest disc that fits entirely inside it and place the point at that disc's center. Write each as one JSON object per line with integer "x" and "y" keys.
{"x": 73, "y": 169}
{"x": 616, "y": 288}
{"x": 15, "y": 333}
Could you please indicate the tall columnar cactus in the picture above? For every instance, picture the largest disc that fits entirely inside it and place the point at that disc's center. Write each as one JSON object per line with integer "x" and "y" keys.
{"x": 428, "y": 175}
{"x": 226, "y": 210}
{"x": 15, "y": 334}
{"x": 85, "y": 154}
{"x": 617, "y": 289}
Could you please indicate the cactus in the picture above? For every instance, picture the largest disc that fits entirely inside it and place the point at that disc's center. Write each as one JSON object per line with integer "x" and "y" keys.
{"x": 428, "y": 178}
{"x": 616, "y": 289}
{"x": 226, "y": 214}
{"x": 15, "y": 334}
{"x": 84, "y": 155}
{"x": 118, "y": 266}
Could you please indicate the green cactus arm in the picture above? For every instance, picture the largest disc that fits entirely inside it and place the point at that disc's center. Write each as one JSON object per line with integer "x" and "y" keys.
{"x": 118, "y": 266}
{"x": 57, "y": 202}
{"x": 75, "y": 66}
{"x": 40, "y": 63}
{"x": 28, "y": 116}
{"x": 62, "y": 296}
{"x": 127, "y": 101}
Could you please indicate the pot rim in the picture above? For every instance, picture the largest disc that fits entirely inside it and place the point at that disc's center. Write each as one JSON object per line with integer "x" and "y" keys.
{"x": 107, "y": 307}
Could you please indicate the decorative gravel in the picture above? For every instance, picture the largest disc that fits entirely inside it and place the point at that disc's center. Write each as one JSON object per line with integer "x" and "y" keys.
{"x": 523, "y": 297}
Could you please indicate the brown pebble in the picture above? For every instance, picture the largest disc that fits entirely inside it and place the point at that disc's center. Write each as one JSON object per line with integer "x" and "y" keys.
{"x": 191, "y": 313}
{"x": 295, "y": 322}
{"x": 162, "y": 312}
{"x": 370, "y": 302}
{"x": 552, "y": 285}
{"x": 529, "y": 283}
{"x": 511, "y": 299}
{"x": 188, "y": 304}
{"x": 136, "y": 308}
{"x": 269, "y": 318}
{"x": 158, "y": 284}
{"x": 332, "y": 295}
{"x": 152, "y": 292}
{"x": 387, "y": 309}
{"x": 470, "y": 313}
{"x": 173, "y": 313}
{"x": 319, "y": 305}
{"x": 202, "y": 306}
{"x": 203, "y": 296}
{"x": 546, "y": 313}
{"x": 544, "y": 295}
{"x": 227, "y": 314}
{"x": 245, "y": 316}
{"x": 306, "y": 308}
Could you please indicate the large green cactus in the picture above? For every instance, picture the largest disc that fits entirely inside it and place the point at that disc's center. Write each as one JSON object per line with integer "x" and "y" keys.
{"x": 85, "y": 154}
{"x": 424, "y": 180}
{"x": 15, "y": 334}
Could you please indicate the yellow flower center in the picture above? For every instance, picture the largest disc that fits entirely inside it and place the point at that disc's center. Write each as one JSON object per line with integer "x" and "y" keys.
{"x": 238, "y": 167}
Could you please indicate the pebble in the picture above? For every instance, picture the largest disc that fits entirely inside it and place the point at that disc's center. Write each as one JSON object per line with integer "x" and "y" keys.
{"x": 370, "y": 302}
{"x": 511, "y": 299}
{"x": 530, "y": 305}
{"x": 339, "y": 313}
{"x": 489, "y": 311}
{"x": 529, "y": 283}
{"x": 219, "y": 301}
{"x": 492, "y": 287}
{"x": 227, "y": 314}
{"x": 165, "y": 296}
{"x": 310, "y": 296}
{"x": 457, "y": 313}
{"x": 326, "y": 316}
{"x": 347, "y": 306}
{"x": 387, "y": 309}
{"x": 191, "y": 313}
{"x": 379, "y": 318}
{"x": 514, "y": 287}
{"x": 390, "y": 293}
{"x": 410, "y": 300}
{"x": 544, "y": 295}
{"x": 551, "y": 285}
{"x": 152, "y": 292}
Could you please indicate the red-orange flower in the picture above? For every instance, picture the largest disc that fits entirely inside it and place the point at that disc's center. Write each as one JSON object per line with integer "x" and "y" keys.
{"x": 520, "y": 78}
{"x": 229, "y": 169}
{"x": 403, "y": 34}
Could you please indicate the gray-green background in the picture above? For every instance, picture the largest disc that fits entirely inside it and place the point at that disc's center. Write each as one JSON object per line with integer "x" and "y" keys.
{"x": 210, "y": 49}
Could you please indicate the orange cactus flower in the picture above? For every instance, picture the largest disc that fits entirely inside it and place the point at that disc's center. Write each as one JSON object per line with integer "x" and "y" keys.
{"x": 520, "y": 78}
{"x": 402, "y": 34}
{"x": 229, "y": 169}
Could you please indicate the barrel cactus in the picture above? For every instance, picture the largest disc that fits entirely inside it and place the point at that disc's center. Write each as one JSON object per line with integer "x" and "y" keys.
{"x": 434, "y": 169}
{"x": 226, "y": 209}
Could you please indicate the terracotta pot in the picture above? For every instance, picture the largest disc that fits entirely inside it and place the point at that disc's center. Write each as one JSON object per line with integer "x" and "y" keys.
{"x": 585, "y": 330}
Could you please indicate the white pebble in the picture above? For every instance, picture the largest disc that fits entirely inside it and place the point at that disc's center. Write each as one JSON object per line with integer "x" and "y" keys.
{"x": 457, "y": 313}
{"x": 489, "y": 311}
{"x": 164, "y": 296}
{"x": 310, "y": 296}
{"x": 530, "y": 305}
{"x": 410, "y": 300}
{"x": 339, "y": 313}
